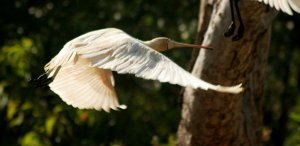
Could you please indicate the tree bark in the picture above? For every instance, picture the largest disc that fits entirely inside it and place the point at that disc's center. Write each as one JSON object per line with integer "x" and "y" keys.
{"x": 210, "y": 118}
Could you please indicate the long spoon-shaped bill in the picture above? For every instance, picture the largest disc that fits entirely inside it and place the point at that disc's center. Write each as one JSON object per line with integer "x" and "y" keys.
{"x": 174, "y": 44}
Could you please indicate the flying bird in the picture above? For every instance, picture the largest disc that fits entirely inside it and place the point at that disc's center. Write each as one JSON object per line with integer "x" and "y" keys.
{"x": 284, "y": 5}
{"x": 81, "y": 73}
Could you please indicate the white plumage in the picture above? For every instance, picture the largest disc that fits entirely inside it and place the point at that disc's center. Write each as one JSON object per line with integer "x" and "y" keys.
{"x": 82, "y": 69}
{"x": 284, "y": 5}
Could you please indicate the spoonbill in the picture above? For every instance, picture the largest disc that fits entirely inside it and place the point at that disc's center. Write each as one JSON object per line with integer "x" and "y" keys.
{"x": 284, "y": 5}
{"x": 81, "y": 73}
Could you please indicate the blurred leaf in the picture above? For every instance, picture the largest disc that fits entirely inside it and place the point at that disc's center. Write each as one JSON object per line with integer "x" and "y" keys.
{"x": 57, "y": 109}
{"x": 31, "y": 139}
{"x": 84, "y": 116}
{"x": 26, "y": 106}
{"x": 15, "y": 55}
{"x": 295, "y": 117}
{"x": 17, "y": 121}
{"x": 11, "y": 109}
{"x": 49, "y": 125}
{"x": 171, "y": 140}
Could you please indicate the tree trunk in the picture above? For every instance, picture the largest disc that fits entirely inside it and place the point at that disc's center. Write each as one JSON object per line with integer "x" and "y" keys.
{"x": 210, "y": 118}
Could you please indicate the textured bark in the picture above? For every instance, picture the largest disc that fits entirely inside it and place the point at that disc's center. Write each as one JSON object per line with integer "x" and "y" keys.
{"x": 210, "y": 118}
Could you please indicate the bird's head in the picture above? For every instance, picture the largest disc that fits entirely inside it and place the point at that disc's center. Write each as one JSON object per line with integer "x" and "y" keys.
{"x": 162, "y": 43}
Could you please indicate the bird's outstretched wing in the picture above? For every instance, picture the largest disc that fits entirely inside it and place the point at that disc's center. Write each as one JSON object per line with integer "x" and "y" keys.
{"x": 128, "y": 55}
{"x": 85, "y": 87}
{"x": 284, "y": 5}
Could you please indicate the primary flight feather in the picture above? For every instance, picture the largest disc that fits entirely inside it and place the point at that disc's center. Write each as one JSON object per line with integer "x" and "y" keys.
{"x": 82, "y": 70}
{"x": 284, "y": 5}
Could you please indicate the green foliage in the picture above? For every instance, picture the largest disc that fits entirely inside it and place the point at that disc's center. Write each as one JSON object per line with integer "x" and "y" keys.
{"x": 32, "y": 32}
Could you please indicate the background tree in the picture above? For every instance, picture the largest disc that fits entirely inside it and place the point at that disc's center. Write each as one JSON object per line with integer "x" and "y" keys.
{"x": 209, "y": 118}
{"x": 32, "y": 32}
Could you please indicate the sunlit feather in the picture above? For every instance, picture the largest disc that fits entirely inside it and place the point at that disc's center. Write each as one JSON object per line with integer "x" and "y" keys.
{"x": 82, "y": 69}
{"x": 284, "y": 5}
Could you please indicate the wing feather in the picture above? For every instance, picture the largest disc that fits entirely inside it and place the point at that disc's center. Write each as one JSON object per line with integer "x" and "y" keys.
{"x": 129, "y": 55}
{"x": 284, "y": 5}
{"x": 82, "y": 79}
{"x": 295, "y": 5}
{"x": 85, "y": 87}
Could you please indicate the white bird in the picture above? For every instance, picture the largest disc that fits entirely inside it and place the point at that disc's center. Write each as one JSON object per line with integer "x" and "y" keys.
{"x": 284, "y": 5}
{"x": 82, "y": 70}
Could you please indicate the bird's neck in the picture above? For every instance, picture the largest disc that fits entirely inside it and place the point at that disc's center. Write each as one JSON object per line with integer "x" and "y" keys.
{"x": 155, "y": 45}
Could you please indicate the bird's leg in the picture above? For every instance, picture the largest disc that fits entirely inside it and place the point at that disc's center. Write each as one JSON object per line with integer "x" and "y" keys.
{"x": 231, "y": 27}
{"x": 41, "y": 81}
{"x": 240, "y": 32}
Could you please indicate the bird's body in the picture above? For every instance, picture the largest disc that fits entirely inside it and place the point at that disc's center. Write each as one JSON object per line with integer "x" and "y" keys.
{"x": 82, "y": 70}
{"x": 284, "y": 5}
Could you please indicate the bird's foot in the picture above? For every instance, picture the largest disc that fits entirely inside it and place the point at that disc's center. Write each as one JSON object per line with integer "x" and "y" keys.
{"x": 239, "y": 34}
{"x": 41, "y": 81}
{"x": 230, "y": 30}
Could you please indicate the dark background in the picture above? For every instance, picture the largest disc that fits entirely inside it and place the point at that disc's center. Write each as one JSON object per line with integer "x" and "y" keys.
{"x": 33, "y": 31}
